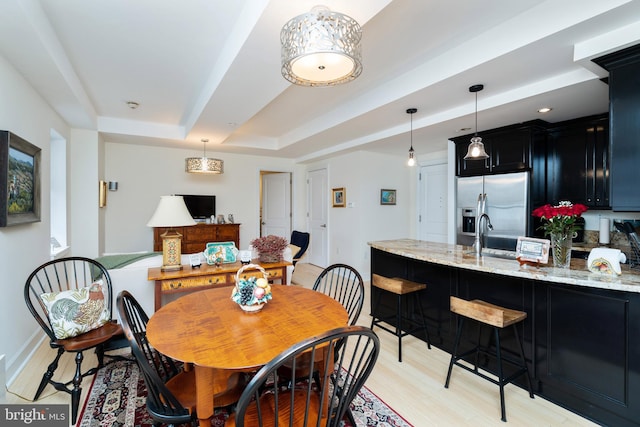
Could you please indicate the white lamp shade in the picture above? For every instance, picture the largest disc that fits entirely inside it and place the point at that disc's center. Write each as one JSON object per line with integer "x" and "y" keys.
{"x": 171, "y": 212}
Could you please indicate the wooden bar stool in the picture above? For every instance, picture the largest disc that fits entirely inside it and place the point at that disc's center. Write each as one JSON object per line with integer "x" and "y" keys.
{"x": 498, "y": 318}
{"x": 400, "y": 287}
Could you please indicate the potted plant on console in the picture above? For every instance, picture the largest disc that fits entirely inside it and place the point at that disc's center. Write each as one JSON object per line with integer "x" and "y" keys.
{"x": 270, "y": 248}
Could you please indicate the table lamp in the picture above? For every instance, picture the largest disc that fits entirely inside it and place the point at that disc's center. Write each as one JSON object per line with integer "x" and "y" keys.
{"x": 171, "y": 212}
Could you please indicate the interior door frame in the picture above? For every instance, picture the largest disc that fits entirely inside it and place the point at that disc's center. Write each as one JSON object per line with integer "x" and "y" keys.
{"x": 261, "y": 196}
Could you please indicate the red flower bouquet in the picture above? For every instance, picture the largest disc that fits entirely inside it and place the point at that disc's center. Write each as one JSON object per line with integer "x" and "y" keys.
{"x": 560, "y": 219}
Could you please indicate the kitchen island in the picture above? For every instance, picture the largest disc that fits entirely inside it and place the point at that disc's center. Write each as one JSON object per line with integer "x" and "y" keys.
{"x": 581, "y": 336}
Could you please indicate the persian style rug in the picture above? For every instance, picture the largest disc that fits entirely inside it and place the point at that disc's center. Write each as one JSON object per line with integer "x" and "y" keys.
{"x": 118, "y": 399}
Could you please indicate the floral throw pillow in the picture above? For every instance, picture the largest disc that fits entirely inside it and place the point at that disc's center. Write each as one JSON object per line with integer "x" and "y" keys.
{"x": 76, "y": 311}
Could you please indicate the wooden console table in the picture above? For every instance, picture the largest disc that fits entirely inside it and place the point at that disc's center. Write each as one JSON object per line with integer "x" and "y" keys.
{"x": 209, "y": 276}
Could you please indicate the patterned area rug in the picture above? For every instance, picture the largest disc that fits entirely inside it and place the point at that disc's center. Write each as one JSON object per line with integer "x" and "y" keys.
{"x": 117, "y": 398}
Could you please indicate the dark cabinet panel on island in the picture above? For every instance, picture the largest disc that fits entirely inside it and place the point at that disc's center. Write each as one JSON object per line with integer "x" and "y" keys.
{"x": 588, "y": 356}
{"x": 578, "y": 162}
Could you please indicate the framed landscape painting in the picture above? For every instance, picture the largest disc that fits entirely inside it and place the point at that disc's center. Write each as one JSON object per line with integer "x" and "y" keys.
{"x": 19, "y": 180}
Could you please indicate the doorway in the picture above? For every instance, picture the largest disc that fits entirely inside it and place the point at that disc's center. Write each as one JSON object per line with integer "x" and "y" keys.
{"x": 432, "y": 203}
{"x": 317, "y": 214}
{"x": 275, "y": 204}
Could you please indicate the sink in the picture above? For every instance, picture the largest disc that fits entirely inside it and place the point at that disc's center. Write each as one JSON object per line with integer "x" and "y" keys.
{"x": 495, "y": 253}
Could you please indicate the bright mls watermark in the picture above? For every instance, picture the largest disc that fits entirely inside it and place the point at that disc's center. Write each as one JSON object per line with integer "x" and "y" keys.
{"x": 34, "y": 415}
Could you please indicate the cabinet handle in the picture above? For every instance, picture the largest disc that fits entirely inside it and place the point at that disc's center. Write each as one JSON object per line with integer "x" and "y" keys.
{"x": 323, "y": 226}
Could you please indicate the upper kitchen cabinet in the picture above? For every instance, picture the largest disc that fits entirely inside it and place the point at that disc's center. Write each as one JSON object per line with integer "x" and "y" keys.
{"x": 509, "y": 148}
{"x": 578, "y": 162}
{"x": 624, "y": 126}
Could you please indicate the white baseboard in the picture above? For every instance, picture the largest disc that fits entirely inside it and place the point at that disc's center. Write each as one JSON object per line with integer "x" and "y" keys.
{"x": 14, "y": 366}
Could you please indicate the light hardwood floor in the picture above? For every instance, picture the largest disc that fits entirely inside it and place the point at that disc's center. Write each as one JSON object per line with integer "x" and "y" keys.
{"x": 414, "y": 387}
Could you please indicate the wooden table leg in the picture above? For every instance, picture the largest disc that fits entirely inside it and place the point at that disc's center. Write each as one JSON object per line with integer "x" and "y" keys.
{"x": 204, "y": 396}
{"x": 157, "y": 295}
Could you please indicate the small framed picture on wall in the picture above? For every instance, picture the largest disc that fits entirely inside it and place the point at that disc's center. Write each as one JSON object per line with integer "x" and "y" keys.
{"x": 339, "y": 197}
{"x": 387, "y": 197}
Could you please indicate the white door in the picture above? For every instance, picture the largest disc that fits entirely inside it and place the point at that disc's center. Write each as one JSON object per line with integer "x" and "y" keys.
{"x": 317, "y": 214}
{"x": 433, "y": 203}
{"x": 276, "y": 204}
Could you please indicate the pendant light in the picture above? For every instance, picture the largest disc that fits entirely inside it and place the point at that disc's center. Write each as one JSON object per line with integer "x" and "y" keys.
{"x": 204, "y": 164}
{"x": 412, "y": 160}
{"x": 476, "y": 148}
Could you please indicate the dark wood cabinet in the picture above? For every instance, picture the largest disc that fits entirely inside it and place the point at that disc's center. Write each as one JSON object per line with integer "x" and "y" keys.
{"x": 510, "y": 149}
{"x": 578, "y": 162}
{"x": 196, "y": 237}
{"x": 624, "y": 110}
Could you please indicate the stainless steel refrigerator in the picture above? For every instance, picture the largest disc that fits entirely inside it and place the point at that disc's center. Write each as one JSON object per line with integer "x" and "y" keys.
{"x": 507, "y": 204}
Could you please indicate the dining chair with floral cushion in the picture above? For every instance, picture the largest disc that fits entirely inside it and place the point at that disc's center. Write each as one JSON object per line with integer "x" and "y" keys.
{"x": 71, "y": 299}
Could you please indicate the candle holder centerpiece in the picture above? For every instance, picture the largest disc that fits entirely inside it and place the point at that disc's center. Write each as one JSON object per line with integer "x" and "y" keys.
{"x": 560, "y": 222}
{"x": 251, "y": 292}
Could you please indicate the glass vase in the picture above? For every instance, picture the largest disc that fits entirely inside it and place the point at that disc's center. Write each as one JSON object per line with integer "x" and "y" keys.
{"x": 561, "y": 249}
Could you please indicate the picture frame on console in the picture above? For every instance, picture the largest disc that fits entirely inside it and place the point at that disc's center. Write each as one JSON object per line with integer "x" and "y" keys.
{"x": 19, "y": 180}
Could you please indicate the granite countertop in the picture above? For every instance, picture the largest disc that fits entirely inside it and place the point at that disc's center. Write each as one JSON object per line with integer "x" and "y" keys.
{"x": 463, "y": 257}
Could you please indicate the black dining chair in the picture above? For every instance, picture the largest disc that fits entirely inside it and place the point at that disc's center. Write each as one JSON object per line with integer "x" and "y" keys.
{"x": 344, "y": 284}
{"x": 171, "y": 390}
{"x": 265, "y": 403}
{"x": 71, "y": 299}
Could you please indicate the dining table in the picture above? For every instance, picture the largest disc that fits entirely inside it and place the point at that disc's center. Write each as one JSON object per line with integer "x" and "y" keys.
{"x": 210, "y": 331}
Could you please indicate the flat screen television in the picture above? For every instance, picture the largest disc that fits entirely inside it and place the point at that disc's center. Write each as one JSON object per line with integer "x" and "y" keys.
{"x": 200, "y": 206}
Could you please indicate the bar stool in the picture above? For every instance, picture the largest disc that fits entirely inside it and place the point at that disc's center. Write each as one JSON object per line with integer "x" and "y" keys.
{"x": 399, "y": 287}
{"x": 498, "y": 318}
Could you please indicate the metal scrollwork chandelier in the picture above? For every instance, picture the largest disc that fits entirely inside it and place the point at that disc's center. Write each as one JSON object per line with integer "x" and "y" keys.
{"x": 321, "y": 48}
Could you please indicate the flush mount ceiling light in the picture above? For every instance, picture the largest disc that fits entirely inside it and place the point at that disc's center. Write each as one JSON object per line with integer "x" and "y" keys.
{"x": 476, "y": 148}
{"x": 545, "y": 110}
{"x": 204, "y": 164}
{"x": 412, "y": 160}
{"x": 321, "y": 48}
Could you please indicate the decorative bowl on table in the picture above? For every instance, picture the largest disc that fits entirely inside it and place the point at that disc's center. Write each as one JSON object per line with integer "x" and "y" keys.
{"x": 251, "y": 293}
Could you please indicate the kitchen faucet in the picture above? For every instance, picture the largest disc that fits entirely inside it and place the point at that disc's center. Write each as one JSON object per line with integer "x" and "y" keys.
{"x": 480, "y": 215}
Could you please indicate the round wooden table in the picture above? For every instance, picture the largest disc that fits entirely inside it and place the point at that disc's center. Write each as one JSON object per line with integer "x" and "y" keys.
{"x": 209, "y": 330}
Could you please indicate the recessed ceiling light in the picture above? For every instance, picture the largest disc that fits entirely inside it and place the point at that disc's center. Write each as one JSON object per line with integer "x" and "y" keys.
{"x": 132, "y": 104}
{"x": 545, "y": 110}
{"x": 463, "y": 129}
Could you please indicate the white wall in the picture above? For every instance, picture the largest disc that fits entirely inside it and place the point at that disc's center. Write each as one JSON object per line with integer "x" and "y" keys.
{"x": 84, "y": 169}
{"x": 363, "y": 175}
{"x": 24, "y": 247}
{"x": 146, "y": 173}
